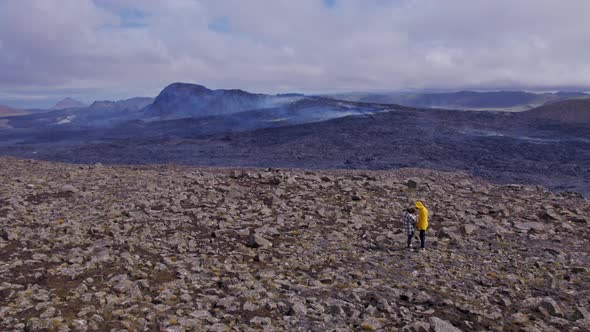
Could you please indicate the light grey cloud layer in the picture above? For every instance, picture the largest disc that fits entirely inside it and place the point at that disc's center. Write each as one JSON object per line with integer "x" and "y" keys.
{"x": 119, "y": 48}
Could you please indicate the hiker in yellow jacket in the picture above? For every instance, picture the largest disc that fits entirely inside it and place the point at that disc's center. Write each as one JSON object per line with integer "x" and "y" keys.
{"x": 422, "y": 224}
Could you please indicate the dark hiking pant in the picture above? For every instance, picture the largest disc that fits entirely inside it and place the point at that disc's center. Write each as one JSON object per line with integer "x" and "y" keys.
{"x": 422, "y": 239}
{"x": 410, "y": 236}
{"x": 422, "y": 236}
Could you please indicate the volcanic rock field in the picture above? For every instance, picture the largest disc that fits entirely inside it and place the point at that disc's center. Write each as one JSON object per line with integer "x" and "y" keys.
{"x": 170, "y": 248}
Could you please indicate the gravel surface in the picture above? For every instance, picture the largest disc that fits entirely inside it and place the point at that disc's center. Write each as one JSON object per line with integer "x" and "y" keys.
{"x": 148, "y": 248}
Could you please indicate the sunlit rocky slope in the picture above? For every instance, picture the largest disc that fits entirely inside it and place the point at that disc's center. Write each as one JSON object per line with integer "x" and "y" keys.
{"x": 183, "y": 249}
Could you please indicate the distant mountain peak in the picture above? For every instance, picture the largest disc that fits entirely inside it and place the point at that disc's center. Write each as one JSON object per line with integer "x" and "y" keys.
{"x": 185, "y": 100}
{"x": 191, "y": 89}
{"x": 135, "y": 103}
{"x": 186, "y": 88}
{"x": 68, "y": 103}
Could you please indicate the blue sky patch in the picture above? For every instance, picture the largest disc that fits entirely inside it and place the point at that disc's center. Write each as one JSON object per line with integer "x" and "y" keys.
{"x": 220, "y": 24}
{"x": 132, "y": 18}
{"x": 330, "y": 3}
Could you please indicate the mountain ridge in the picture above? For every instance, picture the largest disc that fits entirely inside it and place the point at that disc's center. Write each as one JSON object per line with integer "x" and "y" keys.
{"x": 6, "y": 111}
{"x": 493, "y": 100}
{"x": 99, "y": 113}
{"x": 68, "y": 103}
{"x": 192, "y": 101}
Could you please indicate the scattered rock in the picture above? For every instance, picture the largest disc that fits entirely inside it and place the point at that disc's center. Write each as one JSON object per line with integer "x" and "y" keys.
{"x": 371, "y": 324}
{"x": 549, "y": 307}
{"x": 257, "y": 241}
{"x": 551, "y": 215}
{"x": 439, "y": 325}
{"x": 579, "y": 269}
{"x": 536, "y": 226}
{"x": 581, "y": 313}
{"x": 417, "y": 327}
{"x": 299, "y": 309}
{"x": 412, "y": 183}
{"x": 448, "y": 233}
{"x": 519, "y": 318}
{"x": 8, "y": 235}
{"x": 243, "y": 232}
{"x": 68, "y": 188}
{"x": 468, "y": 229}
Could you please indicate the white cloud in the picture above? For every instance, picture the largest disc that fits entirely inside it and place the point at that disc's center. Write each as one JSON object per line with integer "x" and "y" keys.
{"x": 95, "y": 48}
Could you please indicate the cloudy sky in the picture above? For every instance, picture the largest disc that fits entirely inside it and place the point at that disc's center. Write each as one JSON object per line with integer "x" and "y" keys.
{"x": 113, "y": 49}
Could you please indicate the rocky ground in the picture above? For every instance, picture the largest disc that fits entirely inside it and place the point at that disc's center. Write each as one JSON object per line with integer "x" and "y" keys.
{"x": 173, "y": 248}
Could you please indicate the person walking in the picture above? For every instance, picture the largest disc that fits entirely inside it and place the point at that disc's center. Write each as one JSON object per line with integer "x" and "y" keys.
{"x": 409, "y": 222}
{"x": 422, "y": 224}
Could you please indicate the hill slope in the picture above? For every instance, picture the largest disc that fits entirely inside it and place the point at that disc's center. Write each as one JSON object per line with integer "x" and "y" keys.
{"x": 99, "y": 114}
{"x": 574, "y": 111}
{"x": 6, "y": 111}
{"x": 171, "y": 248}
